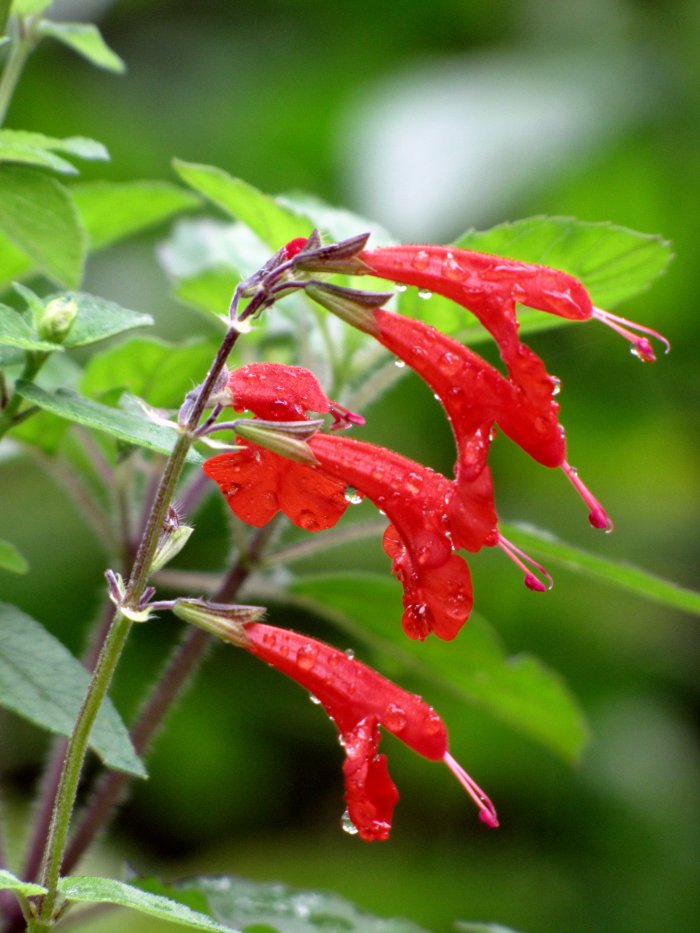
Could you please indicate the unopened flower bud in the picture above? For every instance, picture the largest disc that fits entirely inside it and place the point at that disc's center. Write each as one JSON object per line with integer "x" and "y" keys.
{"x": 220, "y": 619}
{"x": 172, "y": 540}
{"x": 287, "y": 438}
{"x": 56, "y": 318}
{"x": 351, "y": 305}
{"x": 336, "y": 257}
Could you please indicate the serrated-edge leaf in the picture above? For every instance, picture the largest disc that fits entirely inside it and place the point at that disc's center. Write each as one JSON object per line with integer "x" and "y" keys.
{"x": 41, "y": 681}
{"x": 119, "y": 424}
{"x": 462, "y": 926}
{"x": 39, "y": 215}
{"x": 8, "y": 882}
{"x": 28, "y": 155}
{"x": 11, "y": 559}
{"x": 97, "y": 318}
{"x": 518, "y": 690}
{"x": 278, "y": 907}
{"x": 87, "y": 40}
{"x": 95, "y": 890}
{"x": 270, "y": 219}
{"x": 14, "y": 142}
{"x": 111, "y": 211}
{"x": 616, "y": 573}
{"x": 15, "y": 332}
{"x": 29, "y": 7}
{"x": 602, "y": 255}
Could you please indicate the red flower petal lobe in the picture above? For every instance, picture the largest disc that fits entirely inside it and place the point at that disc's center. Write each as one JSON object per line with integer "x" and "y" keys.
{"x": 276, "y": 392}
{"x": 370, "y": 794}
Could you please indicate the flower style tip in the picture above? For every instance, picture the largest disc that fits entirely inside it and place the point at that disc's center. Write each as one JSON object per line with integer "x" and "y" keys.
{"x": 343, "y": 418}
{"x": 640, "y": 345}
{"x": 597, "y": 516}
{"x": 521, "y": 559}
{"x": 487, "y": 811}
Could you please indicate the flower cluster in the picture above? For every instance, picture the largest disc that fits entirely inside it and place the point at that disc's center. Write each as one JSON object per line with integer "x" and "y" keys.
{"x": 285, "y": 464}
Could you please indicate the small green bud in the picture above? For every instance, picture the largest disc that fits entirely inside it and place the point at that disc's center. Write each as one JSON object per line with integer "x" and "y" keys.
{"x": 349, "y": 304}
{"x": 56, "y": 318}
{"x": 169, "y": 545}
{"x": 286, "y": 438}
{"x": 220, "y": 619}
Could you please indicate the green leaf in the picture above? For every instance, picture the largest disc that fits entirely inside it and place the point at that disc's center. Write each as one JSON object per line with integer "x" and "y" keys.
{"x": 86, "y": 40}
{"x": 126, "y": 427}
{"x": 279, "y": 908}
{"x": 41, "y": 681}
{"x": 16, "y": 332}
{"x": 616, "y": 573}
{"x": 462, "y": 926}
{"x": 97, "y": 319}
{"x": 11, "y": 559}
{"x": 274, "y": 223}
{"x": 13, "y": 262}
{"x": 519, "y": 690}
{"x": 8, "y": 882}
{"x": 93, "y": 890}
{"x": 38, "y": 149}
{"x": 338, "y": 222}
{"x": 39, "y": 215}
{"x": 29, "y": 7}
{"x": 162, "y": 373}
{"x": 614, "y": 263}
{"x": 111, "y": 211}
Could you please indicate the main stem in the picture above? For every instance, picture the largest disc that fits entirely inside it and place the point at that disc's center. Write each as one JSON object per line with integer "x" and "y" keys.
{"x": 114, "y": 644}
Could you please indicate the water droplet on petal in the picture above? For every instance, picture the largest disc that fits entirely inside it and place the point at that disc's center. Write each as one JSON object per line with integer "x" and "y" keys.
{"x": 347, "y": 825}
{"x": 314, "y": 700}
{"x": 400, "y": 287}
{"x": 308, "y": 521}
{"x": 399, "y": 364}
{"x": 349, "y": 653}
{"x": 556, "y": 385}
{"x": 394, "y": 718}
{"x": 352, "y": 496}
{"x": 424, "y": 294}
{"x": 421, "y": 260}
{"x": 306, "y": 656}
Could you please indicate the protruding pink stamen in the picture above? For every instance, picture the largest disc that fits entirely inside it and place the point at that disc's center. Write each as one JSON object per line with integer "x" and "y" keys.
{"x": 487, "y": 811}
{"x": 343, "y": 417}
{"x": 598, "y": 517}
{"x": 641, "y": 347}
{"x": 521, "y": 559}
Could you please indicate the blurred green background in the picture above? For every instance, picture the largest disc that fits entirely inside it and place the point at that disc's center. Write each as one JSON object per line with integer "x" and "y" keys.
{"x": 428, "y": 118}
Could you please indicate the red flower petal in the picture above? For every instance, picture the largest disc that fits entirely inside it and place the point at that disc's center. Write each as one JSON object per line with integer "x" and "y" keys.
{"x": 359, "y": 700}
{"x": 429, "y": 519}
{"x": 257, "y": 484}
{"x": 370, "y": 794}
{"x": 474, "y": 394}
{"x": 276, "y": 392}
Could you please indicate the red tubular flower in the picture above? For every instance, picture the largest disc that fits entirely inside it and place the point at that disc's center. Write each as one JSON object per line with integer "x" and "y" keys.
{"x": 256, "y": 482}
{"x": 489, "y": 286}
{"x": 277, "y": 392}
{"x": 359, "y": 701}
{"x": 428, "y": 519}
{"x": 475, "y": 395}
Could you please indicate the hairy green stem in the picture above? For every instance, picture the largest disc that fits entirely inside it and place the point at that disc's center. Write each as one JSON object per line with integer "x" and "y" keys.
{"x": 21, "y": 46}
{"x": 177, "y": 673}
{"x": 8, "y": 416}
{"x": 114, "y": 644}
